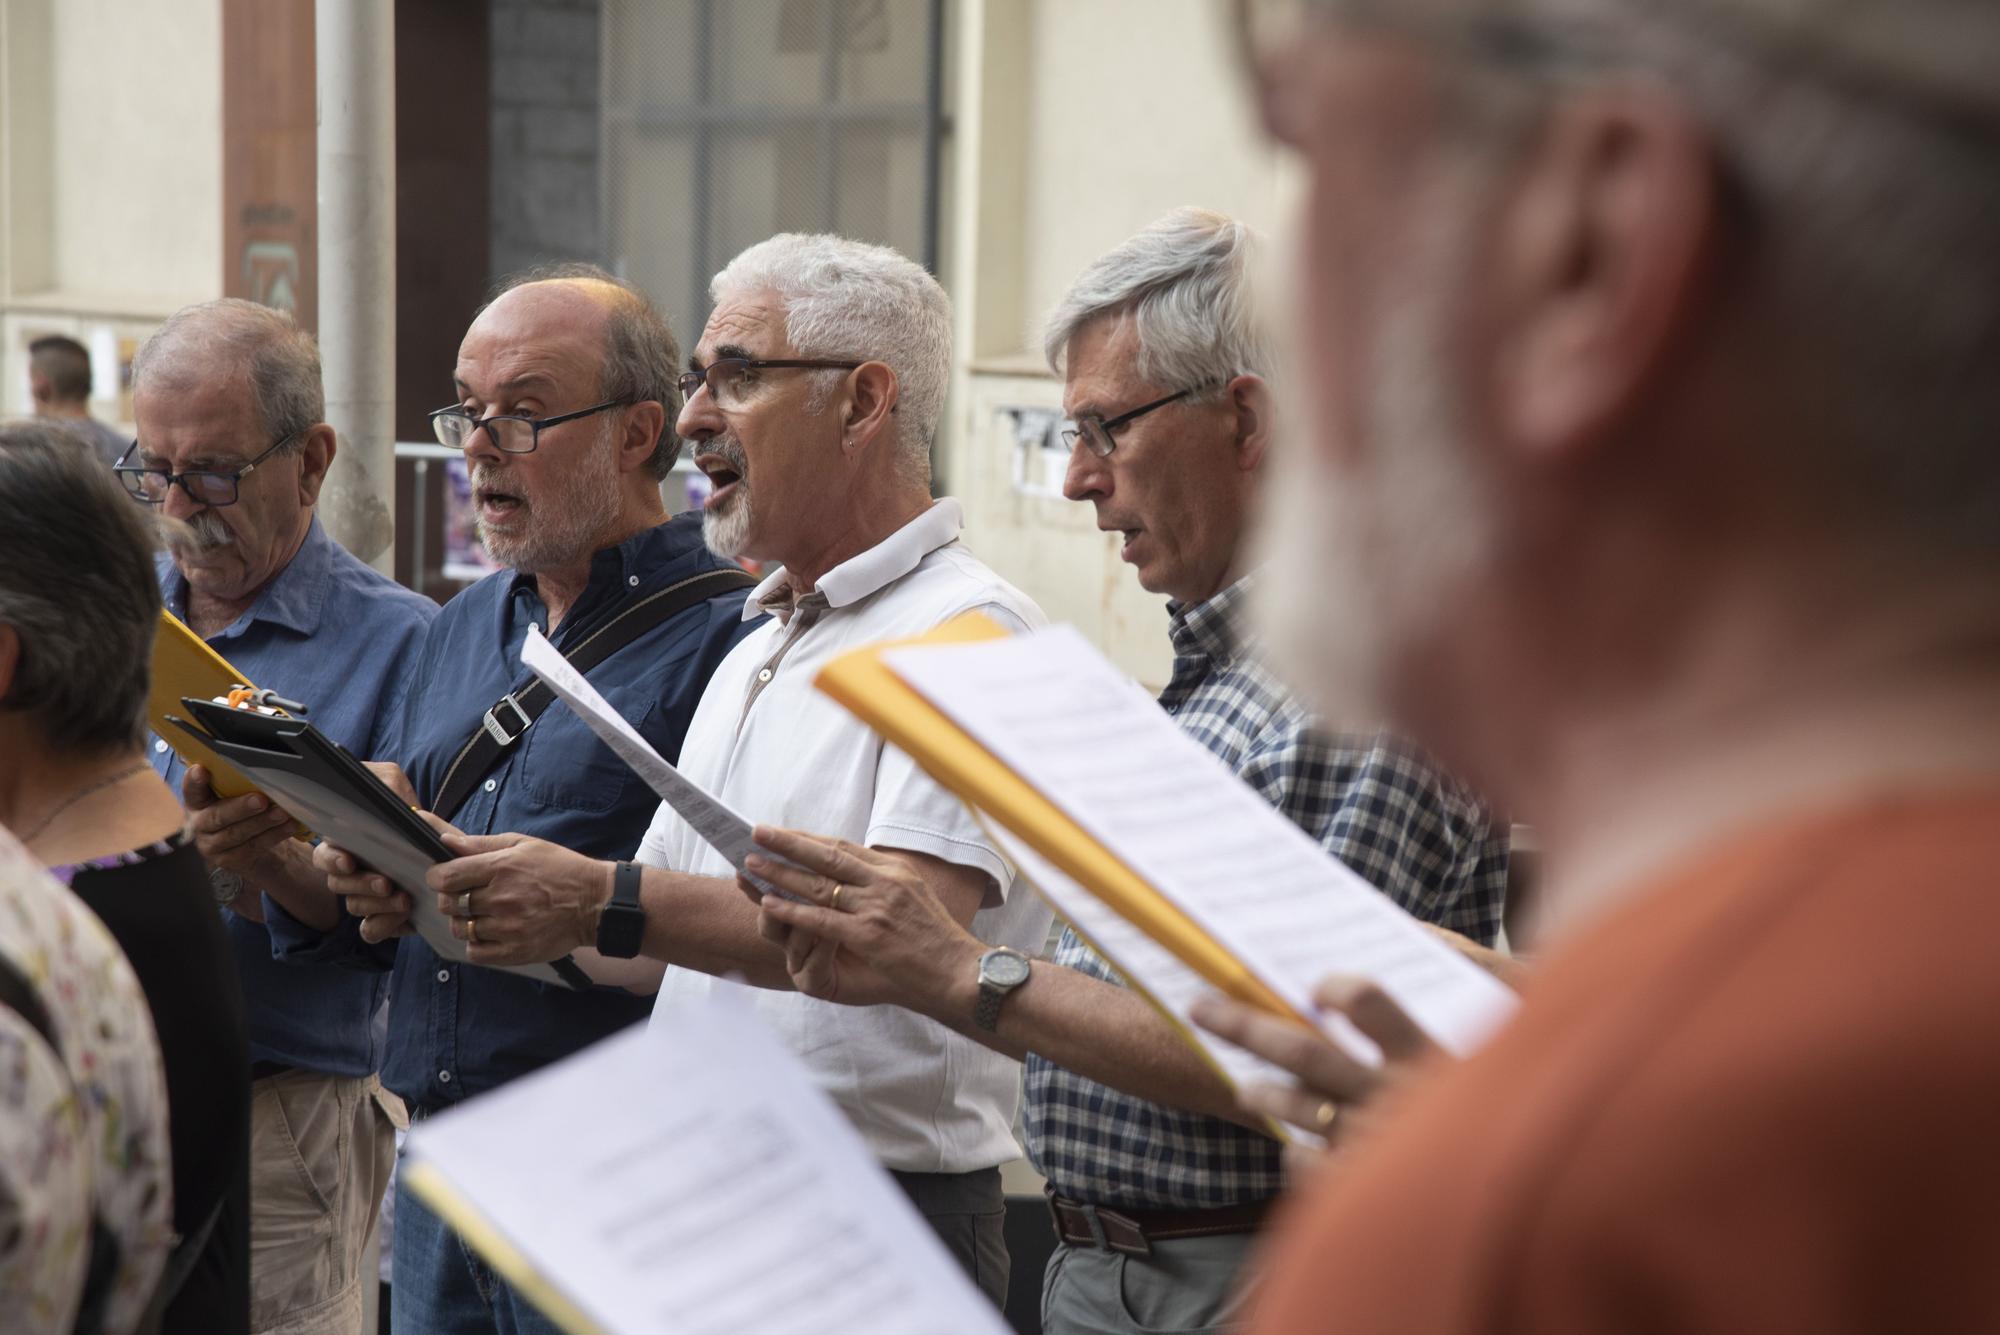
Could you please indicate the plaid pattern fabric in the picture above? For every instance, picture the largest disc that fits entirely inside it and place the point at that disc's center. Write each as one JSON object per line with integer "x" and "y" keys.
{"x": 1370, "y": 801}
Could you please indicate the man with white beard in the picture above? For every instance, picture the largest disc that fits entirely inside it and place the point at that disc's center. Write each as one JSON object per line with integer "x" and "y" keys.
{"x": 232, "y": 445}
{"x": 565, "y": 408}
{"x": 1654, "y": 483}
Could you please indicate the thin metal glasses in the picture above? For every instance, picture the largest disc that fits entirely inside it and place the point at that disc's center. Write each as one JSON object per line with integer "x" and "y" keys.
{"x": 1095, "y": 431}
{"x": 728, "y": 378}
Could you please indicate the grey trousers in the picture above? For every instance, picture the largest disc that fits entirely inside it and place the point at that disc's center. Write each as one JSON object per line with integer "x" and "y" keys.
{"x": 969, "y": 1212}
{"x": 1189, "y": 1285}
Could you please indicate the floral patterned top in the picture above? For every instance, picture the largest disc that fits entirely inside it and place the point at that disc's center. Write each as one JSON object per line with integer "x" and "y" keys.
{"x": 107, "y": 1129}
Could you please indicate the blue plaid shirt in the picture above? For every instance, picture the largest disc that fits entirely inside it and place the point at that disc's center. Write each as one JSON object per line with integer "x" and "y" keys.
{"x": 1369, "y": 801}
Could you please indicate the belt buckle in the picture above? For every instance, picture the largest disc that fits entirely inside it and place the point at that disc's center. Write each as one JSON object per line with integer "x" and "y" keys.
{"x": 1139, "y": 1245}
{"x": 498, "y": 730}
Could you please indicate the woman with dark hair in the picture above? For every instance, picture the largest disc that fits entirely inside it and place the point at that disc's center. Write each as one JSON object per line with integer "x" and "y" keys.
{"x": 79, "y": 606}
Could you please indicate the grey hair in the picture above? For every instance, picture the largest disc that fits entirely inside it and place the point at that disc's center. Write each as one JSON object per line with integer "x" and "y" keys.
{"x": 641, "y": 357}
{"x": 232, "y": 336}
{"x": 1867, "y": 265}
{"x": 78, "y": 587}
{"x": 1186, "y": 282}
{"x": 847, "y": 300}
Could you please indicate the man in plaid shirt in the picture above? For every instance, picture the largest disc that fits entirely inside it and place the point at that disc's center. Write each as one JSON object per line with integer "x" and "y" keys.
{"x": 1158, "y": 1182}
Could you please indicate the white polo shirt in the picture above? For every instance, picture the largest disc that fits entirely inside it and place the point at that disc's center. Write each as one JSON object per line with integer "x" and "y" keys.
{"x": 779, "y": 752}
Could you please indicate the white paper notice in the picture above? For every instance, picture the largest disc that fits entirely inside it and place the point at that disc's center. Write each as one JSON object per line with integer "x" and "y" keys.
{"x": 725, "y": 831}
{"x": 1068, "y": 723}
{"x": 1145, "y": 963}
{"x": 687, "y": 1176}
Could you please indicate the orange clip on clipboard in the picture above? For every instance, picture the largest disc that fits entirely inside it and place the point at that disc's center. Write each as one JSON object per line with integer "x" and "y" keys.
{"x": 871, "y": 690}
{"x": 184, "y": 665}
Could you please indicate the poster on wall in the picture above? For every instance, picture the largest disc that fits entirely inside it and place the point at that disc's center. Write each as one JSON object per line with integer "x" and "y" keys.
{"x": 464, "y": 555}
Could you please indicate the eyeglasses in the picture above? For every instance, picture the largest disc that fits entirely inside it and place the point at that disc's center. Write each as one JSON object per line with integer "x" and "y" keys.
{"x": 509, "y": 432}
{"x": 729, "y": 378}
{"x": 204, "y": 486}
{"x": 1095, "y": 431}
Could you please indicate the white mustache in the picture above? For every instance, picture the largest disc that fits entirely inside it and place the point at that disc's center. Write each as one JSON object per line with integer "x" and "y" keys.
{"x": 202, "y": 531}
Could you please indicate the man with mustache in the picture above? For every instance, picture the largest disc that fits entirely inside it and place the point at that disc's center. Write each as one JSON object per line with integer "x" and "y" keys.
{"x": 1653, "y": 481}
{"x": 813, "y": 401}
{"x": 564, "y": 407}
{"x": 232, "y": 445}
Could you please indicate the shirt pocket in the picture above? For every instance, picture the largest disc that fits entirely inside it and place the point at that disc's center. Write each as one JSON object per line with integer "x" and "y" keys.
{"x": 567, "y": 767}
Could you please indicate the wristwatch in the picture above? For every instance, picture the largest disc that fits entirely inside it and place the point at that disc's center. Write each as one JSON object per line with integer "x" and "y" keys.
{"x": 622, "y": 926}
{"x": 226, "y": 886}
{"x": 1001, "y": 970}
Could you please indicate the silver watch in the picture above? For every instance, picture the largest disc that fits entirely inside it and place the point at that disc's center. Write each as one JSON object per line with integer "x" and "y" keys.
{"x": 1001, "y": 970}
{"x": 226, "y": 886}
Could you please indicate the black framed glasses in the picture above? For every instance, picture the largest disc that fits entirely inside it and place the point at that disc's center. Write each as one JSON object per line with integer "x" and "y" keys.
{"x": 212, "y": 487}
{"x": 1095, "y": 430}
{"x": 510, "y": 433}
{"x": 728, "y": 379}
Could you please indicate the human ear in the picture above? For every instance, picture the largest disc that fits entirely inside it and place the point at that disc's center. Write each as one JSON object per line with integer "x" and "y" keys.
{"x": 1605, "y": 263}
{"x": 644, "y": 424}
{"x": 1249, "y": 399}
{"x": 871, "y": 396}
{"x": 315, "y": 457}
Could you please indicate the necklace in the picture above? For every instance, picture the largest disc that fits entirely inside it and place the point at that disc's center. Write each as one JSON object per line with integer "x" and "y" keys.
{"x": 79, "y": 795}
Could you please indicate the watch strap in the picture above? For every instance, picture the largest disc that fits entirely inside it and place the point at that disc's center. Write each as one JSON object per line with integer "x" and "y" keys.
{"x": 621, "y": 928}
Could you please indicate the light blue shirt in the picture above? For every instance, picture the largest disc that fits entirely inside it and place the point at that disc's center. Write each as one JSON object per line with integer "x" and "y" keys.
{"x": 341, "y": 638}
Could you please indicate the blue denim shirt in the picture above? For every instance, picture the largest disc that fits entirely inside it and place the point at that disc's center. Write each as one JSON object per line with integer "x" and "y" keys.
{"x": 334, "y": 634}
{"x": 456, "y": 1031}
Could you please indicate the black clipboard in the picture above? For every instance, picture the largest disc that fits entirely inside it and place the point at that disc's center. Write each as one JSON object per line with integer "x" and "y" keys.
{"x": 336, "y": 795}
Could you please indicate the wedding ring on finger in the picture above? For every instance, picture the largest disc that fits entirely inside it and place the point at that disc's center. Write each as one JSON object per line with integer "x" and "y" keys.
{"x": 1324, "y": 1115}
{"x": 834, "y": 903}
{"x": 472, "y": 930}
{"x": 465, "y": 904}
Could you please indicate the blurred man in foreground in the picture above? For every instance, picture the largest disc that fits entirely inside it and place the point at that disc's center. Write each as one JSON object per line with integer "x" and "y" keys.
{"x": 1654, "y": 484}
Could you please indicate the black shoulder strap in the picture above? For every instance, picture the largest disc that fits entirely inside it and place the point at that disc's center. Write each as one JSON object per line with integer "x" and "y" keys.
{"x": 513, "y": 713}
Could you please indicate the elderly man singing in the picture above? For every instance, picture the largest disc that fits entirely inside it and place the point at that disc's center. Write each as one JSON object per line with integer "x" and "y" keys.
{"x": 813, "y": 398}
{"x": 233, "y": 445}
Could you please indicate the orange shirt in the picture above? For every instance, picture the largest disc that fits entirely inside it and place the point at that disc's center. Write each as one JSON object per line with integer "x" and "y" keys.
{"x": 1762, "y": 1097}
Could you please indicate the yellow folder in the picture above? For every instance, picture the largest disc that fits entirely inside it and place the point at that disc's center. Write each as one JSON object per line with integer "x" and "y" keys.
{"x": 184, "y": 665}
{"x": 869, "y": 689}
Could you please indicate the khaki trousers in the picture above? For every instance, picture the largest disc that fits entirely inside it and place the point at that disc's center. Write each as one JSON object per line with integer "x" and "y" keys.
{"x": 320, "y": 1151}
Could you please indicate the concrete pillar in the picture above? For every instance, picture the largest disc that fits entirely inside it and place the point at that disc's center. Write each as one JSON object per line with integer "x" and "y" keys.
{"x": 355, "y": 56}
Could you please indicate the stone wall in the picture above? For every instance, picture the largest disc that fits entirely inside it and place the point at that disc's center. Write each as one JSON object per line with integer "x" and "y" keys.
{"x": 545, "y": 197}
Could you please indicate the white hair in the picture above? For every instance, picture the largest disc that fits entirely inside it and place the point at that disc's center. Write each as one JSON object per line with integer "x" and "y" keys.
{"x": 847, "y": 300}
{"x": 1186, "y": 281}
{"x": 1870, "y": 268}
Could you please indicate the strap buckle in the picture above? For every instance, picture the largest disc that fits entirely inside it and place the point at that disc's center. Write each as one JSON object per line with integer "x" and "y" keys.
{"x": 497, "y": 729}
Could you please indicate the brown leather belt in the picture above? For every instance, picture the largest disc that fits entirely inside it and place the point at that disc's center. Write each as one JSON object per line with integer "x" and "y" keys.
{"x": 1133, "y": 1230}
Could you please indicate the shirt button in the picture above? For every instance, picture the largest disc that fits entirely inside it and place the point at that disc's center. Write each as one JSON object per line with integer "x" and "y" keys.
{"x": 765, "y": 675}
{"x": 491, "y": 785}
{"x": 444, "y": 1077}
{"x": 633, "y": 580}
{"x": 444, "y": 975}
{"x": 160, "y": 747}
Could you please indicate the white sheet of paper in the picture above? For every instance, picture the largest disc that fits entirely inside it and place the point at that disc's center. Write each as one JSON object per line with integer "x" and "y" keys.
{"x": 1144, "y": 962}
{"x": 687, "y": 1176}
{"x": 1070, "y": 724}
{"x": 728, "y": 833}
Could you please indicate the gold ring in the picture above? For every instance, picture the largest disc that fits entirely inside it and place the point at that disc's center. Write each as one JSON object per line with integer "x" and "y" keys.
{"x": 834, "y": 903}
{"x": 472, "y": 930}
{"x": 465, "y": 904}
{"x": 1324, "y": 1114}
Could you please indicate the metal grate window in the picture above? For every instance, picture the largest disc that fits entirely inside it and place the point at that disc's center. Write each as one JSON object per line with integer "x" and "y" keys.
{"x": 726, "y": 121}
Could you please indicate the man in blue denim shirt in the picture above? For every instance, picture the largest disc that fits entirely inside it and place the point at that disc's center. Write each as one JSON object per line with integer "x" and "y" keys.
{"x": 229, "y": 405}
{"x": 574, "y": 507}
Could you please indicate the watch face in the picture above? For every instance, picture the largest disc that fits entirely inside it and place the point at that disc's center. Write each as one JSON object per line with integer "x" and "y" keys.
{"x": 1006, "y": 970}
